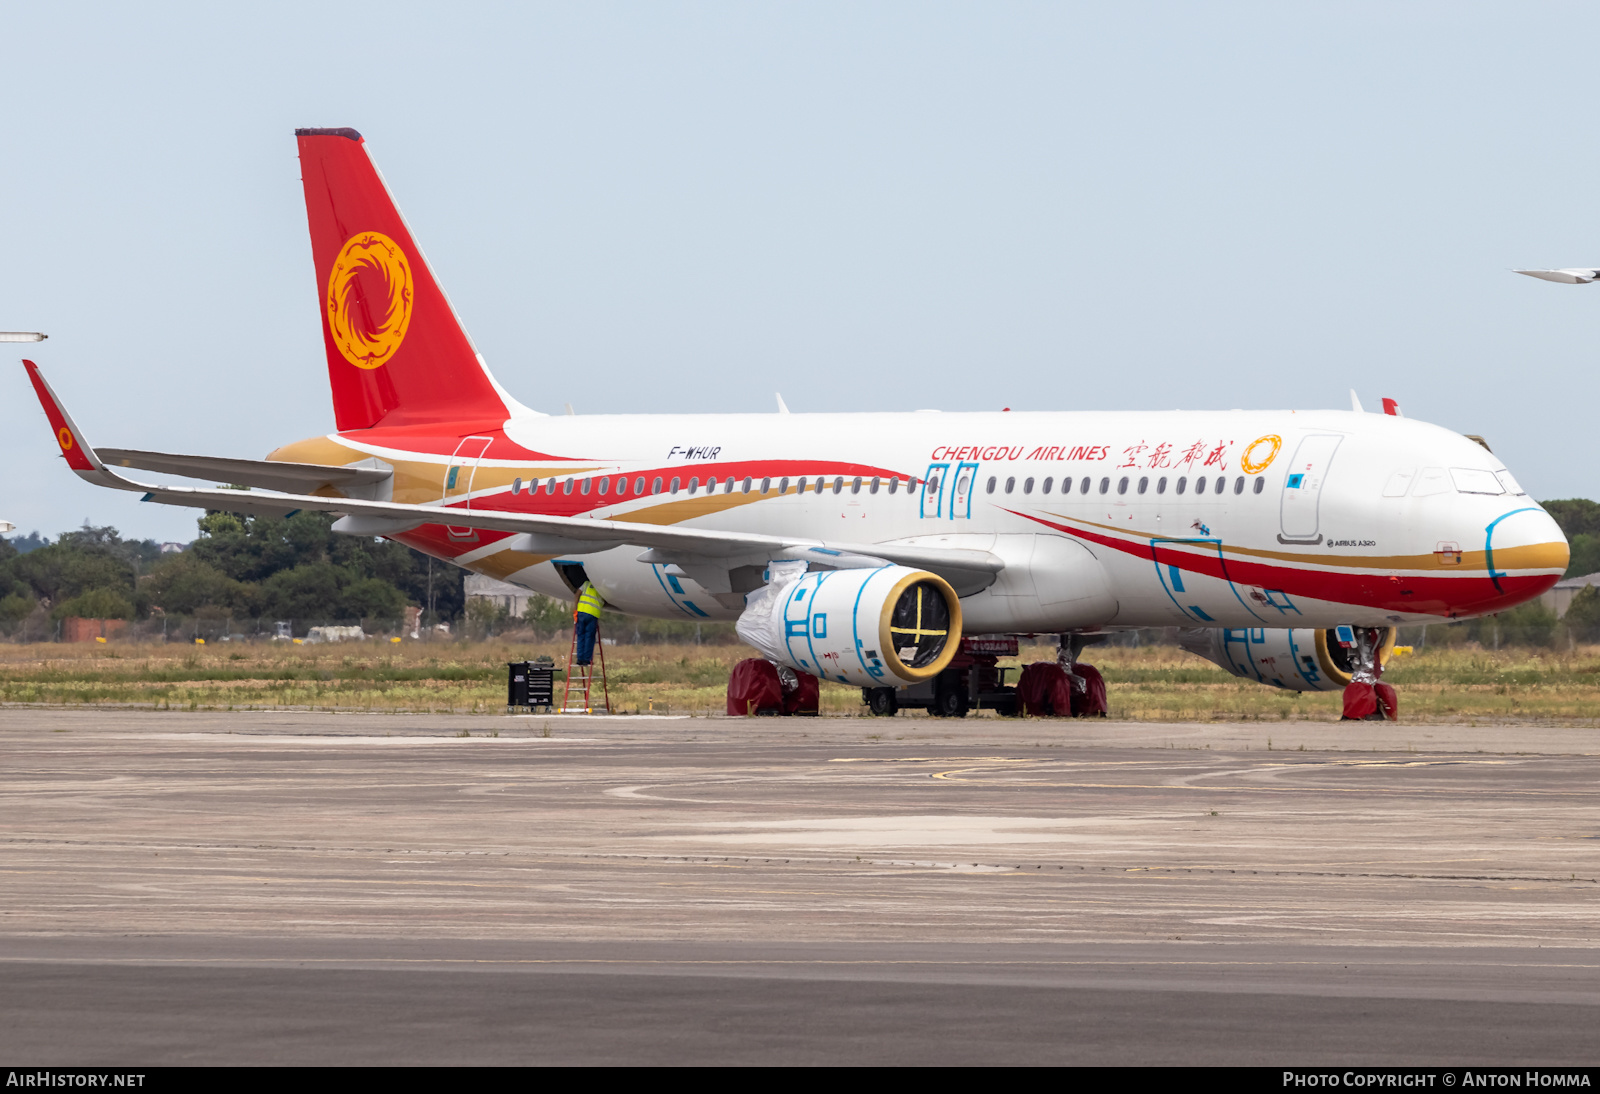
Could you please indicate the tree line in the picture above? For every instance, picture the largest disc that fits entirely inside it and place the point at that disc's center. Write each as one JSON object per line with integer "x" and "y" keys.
{"x": 242, "y": 571}
{"x": 248, "y": 572}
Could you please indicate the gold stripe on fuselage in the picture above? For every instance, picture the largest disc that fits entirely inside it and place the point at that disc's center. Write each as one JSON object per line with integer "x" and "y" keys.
{"x": 1532, "y": 556}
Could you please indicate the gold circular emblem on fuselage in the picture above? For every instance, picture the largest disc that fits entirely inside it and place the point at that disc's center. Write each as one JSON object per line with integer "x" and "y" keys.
{"x": 1252, "y": 463}
{"x": 370, "y": 294}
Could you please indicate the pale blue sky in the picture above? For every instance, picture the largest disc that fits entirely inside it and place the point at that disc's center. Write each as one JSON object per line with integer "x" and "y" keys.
{"x": 676, "y": 207}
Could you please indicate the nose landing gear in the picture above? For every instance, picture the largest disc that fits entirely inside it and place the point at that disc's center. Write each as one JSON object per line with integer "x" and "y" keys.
{"x": 1366, "y": 697}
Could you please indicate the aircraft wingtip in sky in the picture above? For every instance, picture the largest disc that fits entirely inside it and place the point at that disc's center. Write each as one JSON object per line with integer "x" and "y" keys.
{"x": 875, "y": 548}
{"x": 1582, "y": 275}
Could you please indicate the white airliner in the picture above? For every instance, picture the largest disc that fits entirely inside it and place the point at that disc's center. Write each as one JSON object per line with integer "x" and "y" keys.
{"x": 860, "y": 547}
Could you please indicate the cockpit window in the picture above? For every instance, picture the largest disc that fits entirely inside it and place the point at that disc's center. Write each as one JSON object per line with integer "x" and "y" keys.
{"x": 1509, "y": 483}
{"x": 1472, "y": 481}
{"x": 1399, "y": 483}
{"x": 1433, "y": 480}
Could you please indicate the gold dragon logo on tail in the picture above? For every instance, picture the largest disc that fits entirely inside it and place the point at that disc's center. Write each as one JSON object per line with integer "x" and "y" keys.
{"x": 370, "y": 294}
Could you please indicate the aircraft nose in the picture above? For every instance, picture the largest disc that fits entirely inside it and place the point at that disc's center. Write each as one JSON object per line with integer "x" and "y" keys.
{"x": 1525, "y": 553}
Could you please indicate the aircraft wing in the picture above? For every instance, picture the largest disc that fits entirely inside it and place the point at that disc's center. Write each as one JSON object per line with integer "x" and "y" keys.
{"x": 707, "y": 555}
{"x": 266, "y": 474}
{"x": 695, "y": 549}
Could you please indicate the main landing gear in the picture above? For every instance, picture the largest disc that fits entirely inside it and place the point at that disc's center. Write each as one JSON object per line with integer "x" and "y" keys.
{"x": 1063, "y": 688}
{"x": 1366, "y": 697}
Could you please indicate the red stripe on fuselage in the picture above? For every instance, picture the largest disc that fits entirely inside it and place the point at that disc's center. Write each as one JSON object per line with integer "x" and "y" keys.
{"x": 1467, "y": 594}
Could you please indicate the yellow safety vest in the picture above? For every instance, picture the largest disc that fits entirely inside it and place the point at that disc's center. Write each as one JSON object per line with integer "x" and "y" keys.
{"x": 589, "y": 601}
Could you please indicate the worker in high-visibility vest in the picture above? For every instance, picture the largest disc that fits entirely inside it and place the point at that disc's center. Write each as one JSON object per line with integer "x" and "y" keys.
{"x": 586, "y": 621}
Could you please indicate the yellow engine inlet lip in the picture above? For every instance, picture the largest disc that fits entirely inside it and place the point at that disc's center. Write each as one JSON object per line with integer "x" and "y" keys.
{"x": 886, "y": 631}
{"x": 1337, "y": 674}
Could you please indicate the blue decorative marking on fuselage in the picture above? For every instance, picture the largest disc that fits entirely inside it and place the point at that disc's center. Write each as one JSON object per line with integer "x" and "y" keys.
{"x": 1488, "y": 543}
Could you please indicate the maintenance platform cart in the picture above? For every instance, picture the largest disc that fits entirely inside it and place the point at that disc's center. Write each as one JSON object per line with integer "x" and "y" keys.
{"x": 972, "y": 681}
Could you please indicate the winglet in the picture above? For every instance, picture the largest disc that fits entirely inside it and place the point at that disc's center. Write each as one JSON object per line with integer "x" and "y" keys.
{"x": 79, "y": 456}
{"x": 74, "y": 449}
{"x": 1355, "y": 404}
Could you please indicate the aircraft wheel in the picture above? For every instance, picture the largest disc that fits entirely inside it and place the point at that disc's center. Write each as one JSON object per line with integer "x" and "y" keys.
{"x": 949, "y": 702}
{"x": 882, "y": 702}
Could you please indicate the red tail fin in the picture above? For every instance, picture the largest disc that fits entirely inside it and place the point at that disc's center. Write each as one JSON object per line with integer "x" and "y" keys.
{"x": 396, "y": 352}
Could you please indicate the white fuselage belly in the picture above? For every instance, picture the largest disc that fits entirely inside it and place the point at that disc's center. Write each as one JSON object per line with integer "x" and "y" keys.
{"x": 1358, "y": 518}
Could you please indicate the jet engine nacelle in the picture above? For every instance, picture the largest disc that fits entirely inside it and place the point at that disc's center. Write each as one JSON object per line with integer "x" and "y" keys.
{"x": 883, "y": 627}
{"x": 1296, "y": 660}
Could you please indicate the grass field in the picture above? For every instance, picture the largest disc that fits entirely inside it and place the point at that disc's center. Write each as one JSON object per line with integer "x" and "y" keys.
{"x": 1149, "y": 683}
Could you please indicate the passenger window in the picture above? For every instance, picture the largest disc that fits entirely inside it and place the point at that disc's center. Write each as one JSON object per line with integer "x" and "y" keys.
{"x": 1433, "y": 480}
{"x": 605, "y": 484}
{"x": 1161, "y": 485}
{"x": 1105, "y": 485}
{"x": 655, "y": 487}
{"x": 766, "y": 485}
{"x": 711, "y": 485}
{"x": 1238, "y": 485}
{"x": 747, "y": 484}
{"x": 1011, "y": 484}
{"x": 566, "y": 487}
{"x": 516, "y": 486}
{"x": 1027, "y": 485}
{"x": 674, "y": 484}
{"x": 727, "y": 487}
{"x": 1222, "y": 484}
{"x": 1183, "y": 483}
{"x": 1144, "y": 483}
{"x": 990, "y": 488}
{"x": 1261, "y": 483}
{"x": 1083, "y": 487}
{"x": 694, "y": 484}
{"x": 1122, "y": 486}
{"x": 1044, "y": 487}
{"x": 838, "y": 484}
{"x": 1200, "y": 485}
{"x": 622, "y": 485}
{"x": 583, "y": 487}
{"x": 855, "y": 487}
{"x": 1066, "y": 485}
{"x": 638, "y": 485}
{"x": 894, "y": 484}
{"x": 874, "y": 486}
{"x": 783, "y": 485}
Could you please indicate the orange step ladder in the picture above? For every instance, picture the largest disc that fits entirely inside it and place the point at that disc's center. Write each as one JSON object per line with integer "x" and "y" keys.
{"x": 581, "y": 678}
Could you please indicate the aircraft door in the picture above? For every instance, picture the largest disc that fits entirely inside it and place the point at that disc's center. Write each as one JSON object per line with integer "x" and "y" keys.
{"x": 966, "y": 481}
{"x": 935, "y": 483}
{"x": 1302, "y": 488}
{"x": 458, "y": 476}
